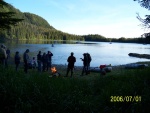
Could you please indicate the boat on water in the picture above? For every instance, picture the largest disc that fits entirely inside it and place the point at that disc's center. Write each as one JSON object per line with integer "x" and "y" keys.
{"x": 52, "y": 45}
{"x": 78, "y": 42}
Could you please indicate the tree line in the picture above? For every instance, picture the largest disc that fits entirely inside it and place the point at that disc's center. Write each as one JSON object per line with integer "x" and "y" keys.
{"x": 26, "y": 26}
{"x": 28, "y": 31}
{"x": 100, "y": 38}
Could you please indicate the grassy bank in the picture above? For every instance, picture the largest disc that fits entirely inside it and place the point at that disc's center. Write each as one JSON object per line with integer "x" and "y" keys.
{"x": 38, "y": 93}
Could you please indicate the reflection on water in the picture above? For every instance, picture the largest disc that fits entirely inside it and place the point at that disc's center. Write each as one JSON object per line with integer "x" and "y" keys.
{"x": 38, "y": 42}
{"x": 101, "y": 52}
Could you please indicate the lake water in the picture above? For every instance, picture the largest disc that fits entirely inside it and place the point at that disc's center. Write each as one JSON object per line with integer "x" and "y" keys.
{"x": 101, "y": 52}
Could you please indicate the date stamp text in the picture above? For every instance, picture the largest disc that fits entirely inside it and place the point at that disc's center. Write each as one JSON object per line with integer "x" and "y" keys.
{"x": 125, "y": 98}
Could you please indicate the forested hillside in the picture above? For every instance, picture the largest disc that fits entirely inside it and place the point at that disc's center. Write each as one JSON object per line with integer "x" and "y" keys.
{"x": 33, "y": 27}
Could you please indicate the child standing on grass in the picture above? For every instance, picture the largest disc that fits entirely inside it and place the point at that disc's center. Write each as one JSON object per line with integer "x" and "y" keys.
{"x": 33, "y": 62}
{"x": 17, "y": 60}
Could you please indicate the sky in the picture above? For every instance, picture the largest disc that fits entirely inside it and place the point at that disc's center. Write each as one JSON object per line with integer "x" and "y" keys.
{"x": 109, "y": 18}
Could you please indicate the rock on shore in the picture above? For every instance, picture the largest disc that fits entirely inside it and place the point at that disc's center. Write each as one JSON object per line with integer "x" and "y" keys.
{"x": 147, "y": 56}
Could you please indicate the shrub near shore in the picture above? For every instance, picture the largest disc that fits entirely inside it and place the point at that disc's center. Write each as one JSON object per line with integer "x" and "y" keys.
{"x": 37, "y": 92}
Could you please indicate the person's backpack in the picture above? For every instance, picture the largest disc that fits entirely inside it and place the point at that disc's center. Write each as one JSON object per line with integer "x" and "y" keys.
{"x": 89, "y": 57}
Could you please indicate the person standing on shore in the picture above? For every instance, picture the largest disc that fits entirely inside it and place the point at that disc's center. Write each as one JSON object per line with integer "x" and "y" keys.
{"x": 85, "y": 64}
{"x": 26, "y": 60}
{"x": 3, "y": 55}
{"x": 17, "y": 60}
{"x": 49, "y": 60}
{"x": 71, "y": 61}
{"x": 39, "y": 61}
{"x": 8, "y": 53}
{"x": 8, "y": 56}
{"x": 44, "y": 59}
{"x": 89, "y": 61}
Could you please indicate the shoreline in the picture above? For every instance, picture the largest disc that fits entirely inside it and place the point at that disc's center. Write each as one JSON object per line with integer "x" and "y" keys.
{"x": 64, "y": 67}
{"x": 113, "y": 67}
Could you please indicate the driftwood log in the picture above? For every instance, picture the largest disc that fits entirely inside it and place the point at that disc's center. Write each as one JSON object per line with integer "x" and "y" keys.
{"x": 147, "y": 56}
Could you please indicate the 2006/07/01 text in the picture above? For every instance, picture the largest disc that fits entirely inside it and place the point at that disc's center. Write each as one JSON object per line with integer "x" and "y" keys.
{"x": 125, "y": 98}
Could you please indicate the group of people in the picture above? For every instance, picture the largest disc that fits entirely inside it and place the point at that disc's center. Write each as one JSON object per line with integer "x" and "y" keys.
{"x": 86, "y": 63}
{"x": 44, "y": 61}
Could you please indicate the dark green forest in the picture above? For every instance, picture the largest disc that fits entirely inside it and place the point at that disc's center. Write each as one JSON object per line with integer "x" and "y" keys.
{"x": 34, "y": 27}
{"x": 100, "y": 38}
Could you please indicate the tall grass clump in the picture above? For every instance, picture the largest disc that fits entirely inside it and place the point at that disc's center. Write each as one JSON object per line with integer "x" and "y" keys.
{"x": 39, "y": 93}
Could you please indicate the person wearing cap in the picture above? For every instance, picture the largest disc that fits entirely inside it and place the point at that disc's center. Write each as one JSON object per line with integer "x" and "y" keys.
{"x": 26, "y": 60}
{"x": 71, "y": 61}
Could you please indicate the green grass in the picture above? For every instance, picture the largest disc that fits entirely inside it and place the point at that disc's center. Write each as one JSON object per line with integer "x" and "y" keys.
{"x": 38, "y": 93}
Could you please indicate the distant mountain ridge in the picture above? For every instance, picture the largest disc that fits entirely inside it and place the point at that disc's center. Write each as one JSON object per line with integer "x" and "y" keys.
{"x": 33, "y": 27}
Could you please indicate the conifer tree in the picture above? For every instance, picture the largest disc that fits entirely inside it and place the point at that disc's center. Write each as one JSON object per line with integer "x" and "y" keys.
{"x": 7, "y": 19}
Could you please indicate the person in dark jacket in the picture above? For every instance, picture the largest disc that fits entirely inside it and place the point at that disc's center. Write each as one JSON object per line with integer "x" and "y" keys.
{"x": 39, "y": 61}
{"x": 44, "y": 59}
{"x": 85, "y": 64}
{"x": 3, "y": 55}
{"x": 8, "y": 53}
{"x": 17, "y": 60}
{"x": 89, "y": 61}
{"x": 49, "y": 60}
{"x": 26, "y": 60}
{"x": 71, "y": 61}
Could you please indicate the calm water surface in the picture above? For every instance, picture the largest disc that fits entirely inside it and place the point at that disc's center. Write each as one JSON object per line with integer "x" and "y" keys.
{"x": 101, "y": 52}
